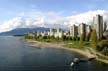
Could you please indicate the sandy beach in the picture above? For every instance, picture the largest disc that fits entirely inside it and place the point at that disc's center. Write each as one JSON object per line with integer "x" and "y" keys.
{"x": 85, "y": 53}
{"x": 33, "y": 43}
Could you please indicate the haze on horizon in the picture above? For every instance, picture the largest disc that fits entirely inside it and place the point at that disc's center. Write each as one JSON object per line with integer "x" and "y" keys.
{"x": 49, "y": 13}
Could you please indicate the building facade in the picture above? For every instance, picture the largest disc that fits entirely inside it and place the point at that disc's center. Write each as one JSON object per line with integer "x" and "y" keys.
{"x": 98, "y": 25}
{"x": 88, "y": 30}
{"x": 52, "y": 31}
{"x": 104, "y": 26}
{"x": 82, "y": 30}
{"x": 59, "y": 33}
{"x": 73, "y": 31}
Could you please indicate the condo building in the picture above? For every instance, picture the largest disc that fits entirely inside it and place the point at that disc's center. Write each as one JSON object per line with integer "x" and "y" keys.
{"x": 52, "y": 31}
{"x": 88, "y": 30}
{"x": 82, "y": 30}
{"x": 59, "y": 33}
{"x": 104, "y": 26}
{"x": 98, "y": 25}
{"x": 73, "y": 31}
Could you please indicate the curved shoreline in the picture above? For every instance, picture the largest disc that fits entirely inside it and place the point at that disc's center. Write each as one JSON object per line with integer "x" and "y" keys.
{"x": 85, "y": 53}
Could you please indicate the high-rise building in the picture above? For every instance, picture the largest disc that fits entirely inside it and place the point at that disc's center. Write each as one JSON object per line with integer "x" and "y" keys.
{"x": 73, "y": 31}
{"x": 88, "y": 30}
{"x": 82, "y": 30}
{"x": 104, "y": 26}
{"x": 98, "y": 25}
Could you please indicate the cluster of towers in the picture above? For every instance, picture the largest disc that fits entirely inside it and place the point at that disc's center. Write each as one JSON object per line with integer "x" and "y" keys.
{"x": 85, "y": 30}
{"x": 81, "y": 30}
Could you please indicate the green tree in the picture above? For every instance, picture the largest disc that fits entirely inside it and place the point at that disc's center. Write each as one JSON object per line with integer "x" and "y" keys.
{"x": 93, "y": 38}
{"x": 77, "y": 38}
{"x": 88, "y": 36}
{"x": 74, "y": 38}
{"x": 44, "y": 37}
{"x": 102, "y": 47}
{"x": 81, "y": 40}
{"x": 105, "y": 51}
{"x": 52, "y": 37}
{"x": 63, "y": 37}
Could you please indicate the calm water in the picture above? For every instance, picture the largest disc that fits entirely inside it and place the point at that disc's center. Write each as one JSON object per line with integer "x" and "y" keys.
{"x": 16, "y": 55}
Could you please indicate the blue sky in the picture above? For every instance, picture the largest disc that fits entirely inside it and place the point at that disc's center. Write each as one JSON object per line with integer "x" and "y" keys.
{"x": 49, "y": 13}
{"x": 13, "y": 8}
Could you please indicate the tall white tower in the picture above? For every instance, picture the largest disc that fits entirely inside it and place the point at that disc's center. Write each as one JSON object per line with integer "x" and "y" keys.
{"x": 98, "y": 25}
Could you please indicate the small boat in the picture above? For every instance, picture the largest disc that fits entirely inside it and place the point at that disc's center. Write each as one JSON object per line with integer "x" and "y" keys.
{"x": 72, "y": 64}
{"x": 76, "y": 60}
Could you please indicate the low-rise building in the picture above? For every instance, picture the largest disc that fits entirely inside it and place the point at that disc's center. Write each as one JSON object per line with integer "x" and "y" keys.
{"x": 59, "y": 33}
{"x": 44, "y": 34}
{"x": 52, "y": 32}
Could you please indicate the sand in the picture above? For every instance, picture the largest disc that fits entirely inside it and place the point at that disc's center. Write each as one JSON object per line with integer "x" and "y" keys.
{"x": 86, "y": 53}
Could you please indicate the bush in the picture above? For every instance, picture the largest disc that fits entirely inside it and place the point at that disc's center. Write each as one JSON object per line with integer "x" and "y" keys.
{"x": 77, "y": 38}
{"x": 93, "y": 38}
{"x": 87, "y": 38}
{"x": 44, "y": 37}
{"x": 70, "y": 38}
{"x": 81, "y": 40}
{"x": 102, "y": 46}
{"x": 74, "y": 38}
{"x": 28, "y": 37}
{"x": 63, "y": 37}
{"x": 105, "y": 51}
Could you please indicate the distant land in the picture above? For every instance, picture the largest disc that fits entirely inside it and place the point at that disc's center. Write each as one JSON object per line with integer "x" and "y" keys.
{"x": 23, "y": 31}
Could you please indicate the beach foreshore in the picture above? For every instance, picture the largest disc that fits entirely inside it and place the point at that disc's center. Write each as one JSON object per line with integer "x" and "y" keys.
{"x": 86, "y": 53}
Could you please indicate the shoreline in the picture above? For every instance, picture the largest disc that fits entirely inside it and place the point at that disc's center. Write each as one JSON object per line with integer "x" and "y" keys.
{"x": 86, "y": 53}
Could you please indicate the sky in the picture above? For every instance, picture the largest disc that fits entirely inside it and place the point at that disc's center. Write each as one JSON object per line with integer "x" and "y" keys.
{"x": 44, "y": 12}
{"x": 14, "y": 8}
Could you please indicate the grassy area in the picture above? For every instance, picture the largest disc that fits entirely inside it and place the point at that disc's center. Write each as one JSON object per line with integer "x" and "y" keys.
{"x": 73, "y": 44}
{"x": 76, "y": 44}
{"x": 48, "y": 40}
{"x": 68, "y": 43}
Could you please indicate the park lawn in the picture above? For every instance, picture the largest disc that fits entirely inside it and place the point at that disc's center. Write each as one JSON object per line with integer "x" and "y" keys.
{"x": 68, "y": 43}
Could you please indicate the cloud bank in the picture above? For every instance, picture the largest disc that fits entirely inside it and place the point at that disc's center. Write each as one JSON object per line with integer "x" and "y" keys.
{"x": 51, "y": 19}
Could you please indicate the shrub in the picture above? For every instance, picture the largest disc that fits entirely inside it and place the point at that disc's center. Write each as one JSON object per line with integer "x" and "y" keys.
{"x": 74, "y": 38}
{"x": 93, "y": 38}
{"x": 102, "y": 47}
{"x": 28, "y": 37}
{"x": 70, "y": 38}
{"x": 81, "y": 40}
{"x": 78, "y": 38}
{"x": 105, "y": 51}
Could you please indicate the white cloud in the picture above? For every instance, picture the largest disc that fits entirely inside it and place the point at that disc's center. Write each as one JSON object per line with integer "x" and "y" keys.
{"x": 87, "y": 17}
{"x": 50, "y": 19}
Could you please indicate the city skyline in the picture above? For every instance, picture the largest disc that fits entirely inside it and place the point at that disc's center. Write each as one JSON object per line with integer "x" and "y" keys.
{"x": 76, "y": 31}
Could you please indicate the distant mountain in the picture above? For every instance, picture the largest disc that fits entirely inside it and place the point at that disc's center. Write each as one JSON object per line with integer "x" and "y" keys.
{"x": 22, "y": 31}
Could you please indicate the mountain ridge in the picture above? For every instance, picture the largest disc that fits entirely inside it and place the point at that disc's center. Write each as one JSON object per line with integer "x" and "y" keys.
{"x": 23, "y": 31}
